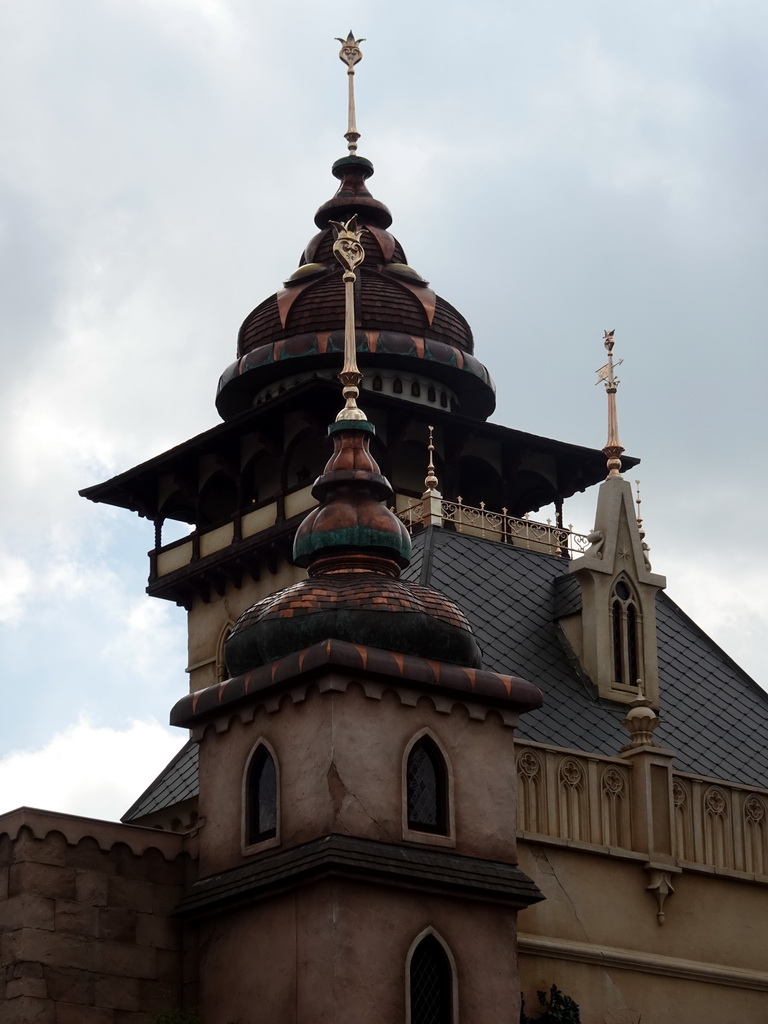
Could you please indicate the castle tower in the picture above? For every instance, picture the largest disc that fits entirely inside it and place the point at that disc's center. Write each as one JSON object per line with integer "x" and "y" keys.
{"x": 357, "y": 778}
{"x": 245, "y": 485}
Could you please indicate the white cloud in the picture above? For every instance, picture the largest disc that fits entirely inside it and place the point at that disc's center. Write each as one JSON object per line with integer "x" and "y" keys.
{"x": 16, "y": 582}
{"x": 96, "y": 772}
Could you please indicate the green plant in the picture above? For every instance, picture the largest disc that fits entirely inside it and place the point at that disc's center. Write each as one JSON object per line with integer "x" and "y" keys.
{"x": 558, "y": 1009}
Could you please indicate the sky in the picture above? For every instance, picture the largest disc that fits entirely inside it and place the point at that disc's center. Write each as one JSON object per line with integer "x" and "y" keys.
{"x": 554, "y": 169}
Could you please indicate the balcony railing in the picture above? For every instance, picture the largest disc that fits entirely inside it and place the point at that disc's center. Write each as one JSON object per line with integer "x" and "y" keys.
{"x": 499, "y": 526}
{"x": 589, "y": 799}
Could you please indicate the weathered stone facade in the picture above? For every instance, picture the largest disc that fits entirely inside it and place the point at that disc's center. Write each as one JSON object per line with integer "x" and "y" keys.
{"x": 86, "y": 926}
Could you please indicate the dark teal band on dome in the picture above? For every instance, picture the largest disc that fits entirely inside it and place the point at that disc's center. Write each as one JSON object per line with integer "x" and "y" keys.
{"x": 352, "y": 537}
{"x": 365, "y": 425}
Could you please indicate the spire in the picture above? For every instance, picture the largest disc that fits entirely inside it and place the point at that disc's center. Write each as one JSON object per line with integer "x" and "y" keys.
{"x": 613, "y": 447}
{"x": 430, "y": 480}
{"x": 349, "y": 252}
{"x": 351, "y": 54}
{"x": 352, "y": 170}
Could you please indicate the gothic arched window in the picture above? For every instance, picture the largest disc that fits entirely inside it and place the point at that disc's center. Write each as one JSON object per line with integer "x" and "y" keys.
{"x": 431, "y": 984}
{"x": 626, "y": 634}
{"x": 260, "y": 797}
{"x": 427, "y": 788}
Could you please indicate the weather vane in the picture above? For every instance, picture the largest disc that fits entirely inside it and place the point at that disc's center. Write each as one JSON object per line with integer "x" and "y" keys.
{"x": 351, "y": 54}
{"x": 613, "y": 447}
{"x": 349, "y": 252}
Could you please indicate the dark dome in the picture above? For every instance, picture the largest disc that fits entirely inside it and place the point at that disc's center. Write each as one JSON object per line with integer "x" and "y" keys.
{"x": 300, "y": 328}
{"x": 362, "y": 607}
{"x": 354, "y": 547}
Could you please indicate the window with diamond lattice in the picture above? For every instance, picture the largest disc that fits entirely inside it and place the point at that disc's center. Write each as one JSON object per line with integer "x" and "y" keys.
{"x": 427, "y": 789}
{"x": 261, "y": 798}
{"x": 431, "y": 996}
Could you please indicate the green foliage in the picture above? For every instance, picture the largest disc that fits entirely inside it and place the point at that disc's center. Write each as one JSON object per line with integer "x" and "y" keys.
{"x": 558, "y": 1009}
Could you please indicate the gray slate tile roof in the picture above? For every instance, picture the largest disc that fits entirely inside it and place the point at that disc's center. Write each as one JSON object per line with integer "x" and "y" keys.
{"x": 714, "y": 716}
{"x": 175, "y": 783}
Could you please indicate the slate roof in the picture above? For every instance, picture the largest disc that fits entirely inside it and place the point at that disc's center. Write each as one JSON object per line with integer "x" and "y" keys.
{"x": 714, "y": 716}
{"x": 175, "y": 783}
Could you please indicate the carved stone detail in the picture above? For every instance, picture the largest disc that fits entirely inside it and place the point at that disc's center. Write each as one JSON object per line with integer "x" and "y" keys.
{"x": 660, "y": 887}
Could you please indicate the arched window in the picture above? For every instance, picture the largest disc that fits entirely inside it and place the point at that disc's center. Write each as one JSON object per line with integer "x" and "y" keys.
{"x": 260, "y": 797}
{"x": 222, "y": 672}
{"x": 427, "y": 788}
{"x": 626, "y": 633}
{"x": 431, "y": 984}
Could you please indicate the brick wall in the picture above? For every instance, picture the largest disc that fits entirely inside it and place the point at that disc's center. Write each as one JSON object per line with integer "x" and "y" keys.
{"x": 86, "y": 932}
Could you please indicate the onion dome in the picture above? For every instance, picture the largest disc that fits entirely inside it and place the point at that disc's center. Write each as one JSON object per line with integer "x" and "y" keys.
{"x": 401, "y": 324}
{"x": 353, "y": 547}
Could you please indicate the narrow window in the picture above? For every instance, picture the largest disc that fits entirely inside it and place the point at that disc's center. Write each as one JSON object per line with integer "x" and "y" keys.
{"x": 431, "y": 984}
{"x": 261, "y": 798}
{"x": 626, "y": 627}
{"x": 618, "y": 656}
{"x": 397, "y": 386}
{"x": 431, "y": 394}
{"x": 427, "y": 789}
{"x": 416, "y": 389}
{"x": 377, "y": 383}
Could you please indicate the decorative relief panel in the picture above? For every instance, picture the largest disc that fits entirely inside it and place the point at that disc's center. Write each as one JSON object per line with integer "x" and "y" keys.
{"x": 720, "y": 825}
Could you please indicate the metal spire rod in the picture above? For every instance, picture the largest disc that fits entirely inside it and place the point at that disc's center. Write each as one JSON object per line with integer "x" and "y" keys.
{"x": 613, "y": 447}
{"x": 351, "y": 54}
{"x": 350, "y": 254}
{"x": 431, "y": 481}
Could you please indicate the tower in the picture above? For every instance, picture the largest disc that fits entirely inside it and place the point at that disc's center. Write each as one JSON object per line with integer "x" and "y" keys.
{"x": 355, "y": 820}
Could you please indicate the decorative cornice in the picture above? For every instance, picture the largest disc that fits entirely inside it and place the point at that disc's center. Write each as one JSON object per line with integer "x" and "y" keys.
{"x": 609, "y": 957}
{"x": 74, "y": 828}
{"x": 348, "y": 858}
{"x": 340, "y": 663}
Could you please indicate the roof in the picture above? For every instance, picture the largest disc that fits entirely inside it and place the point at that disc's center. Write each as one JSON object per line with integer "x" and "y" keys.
{"x": 713, "y": 715}
{"x": 175, "y": 783}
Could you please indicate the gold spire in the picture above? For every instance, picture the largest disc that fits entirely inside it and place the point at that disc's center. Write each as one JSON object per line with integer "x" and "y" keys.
{"x": 430, "y": 480}
{"x": 640, "y": 527}
{"x": 351, "y": 54}
{"x": 613, "y": 447}
{"x": 350, "y": 254}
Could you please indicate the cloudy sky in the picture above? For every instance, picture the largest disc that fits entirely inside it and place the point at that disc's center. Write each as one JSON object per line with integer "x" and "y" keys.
{"x": 554, "y": 169}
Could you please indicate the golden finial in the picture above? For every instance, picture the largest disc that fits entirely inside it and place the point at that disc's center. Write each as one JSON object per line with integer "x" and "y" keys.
{"x": 640, "y": 527}
{"x": 641, "y": 530}
{"x": 349, "y": 252}
{"x": 351, "y": 54}
{"x": 613, "y": 447}
{"x": 430, "y": 480}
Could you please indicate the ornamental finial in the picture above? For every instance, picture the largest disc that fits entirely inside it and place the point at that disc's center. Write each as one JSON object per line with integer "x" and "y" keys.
{"x": 613, "y": 447}
{"x": 430, "y": 480}
{"x": 350, "y": 253}
{"x": 351, "y": 54}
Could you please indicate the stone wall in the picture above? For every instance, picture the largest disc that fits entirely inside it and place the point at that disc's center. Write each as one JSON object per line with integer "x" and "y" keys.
{"x": 86, "y": 932}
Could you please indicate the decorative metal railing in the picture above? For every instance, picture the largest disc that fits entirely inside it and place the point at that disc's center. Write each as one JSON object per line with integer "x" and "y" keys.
{"x": 499, "y": 526}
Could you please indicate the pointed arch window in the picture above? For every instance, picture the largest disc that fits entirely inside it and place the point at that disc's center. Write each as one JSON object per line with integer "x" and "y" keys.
{"x": 427, "y": 788}
{"x": 626, "y": 625}
{"x": 260, "y": 797}
{"x": 431, "y": 984}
